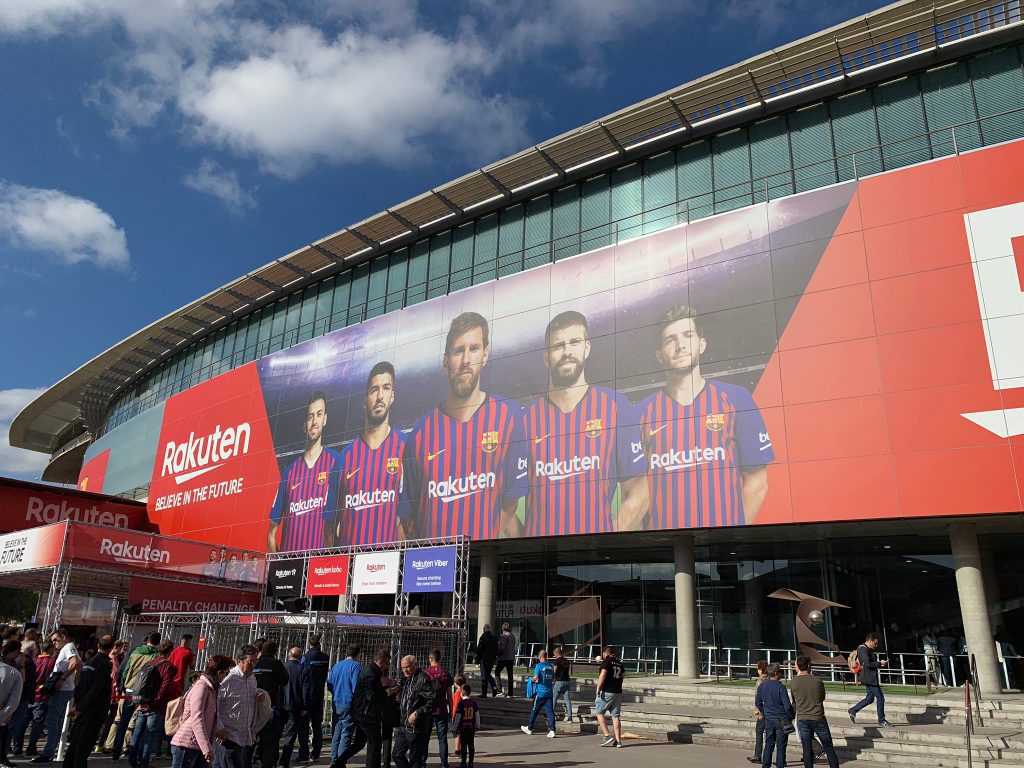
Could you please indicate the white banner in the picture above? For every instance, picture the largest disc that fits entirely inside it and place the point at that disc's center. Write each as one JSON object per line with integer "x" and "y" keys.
{"x": 375, "y": 573}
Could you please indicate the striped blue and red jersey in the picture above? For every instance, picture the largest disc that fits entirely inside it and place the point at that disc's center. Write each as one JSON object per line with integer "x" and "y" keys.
{"x": 371, "y": 487}
{"x": 458, "y": 474}
{"x": 307, "y": 502}
{"x": 577, "y": 459}
{"x": 698, "y": 454}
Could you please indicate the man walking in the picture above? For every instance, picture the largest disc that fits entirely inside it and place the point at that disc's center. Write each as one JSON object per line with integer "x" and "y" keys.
{"x": 609, "y": 697}
{"x": 563, "y": 681}
{"x": 544, "y": 678}
{"x": 236, "y": 710}
{"x": 272, "y": 677}
{"x": 67, "y": 664}
{"x": 91, "y": 703}
{"x": 342, "y": 684}
{"x": 809, "y": 700}
{"x": 415, "y": 703}
{"x": 486, "y": 653}
{"x": 44, "y": 668}
{"x": 317, "y": 665}
{"x": 869, "y": 666}
{"x": 295, "y": 709}
{"x": 441, "y": 715}
{"x": 367, "y": 709}
{"x": 772, "y": 701}
{"x": 137, "y": 659}
{"x": 10, "y": 692}
{"x": 156, "y": 687}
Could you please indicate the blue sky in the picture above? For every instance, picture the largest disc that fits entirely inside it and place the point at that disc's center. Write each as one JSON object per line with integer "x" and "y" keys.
{"x": 153, "y": 151}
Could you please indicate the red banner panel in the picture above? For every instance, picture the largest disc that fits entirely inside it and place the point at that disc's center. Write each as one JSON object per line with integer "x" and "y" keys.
{"x": 34, "y": 548}
{"x": 26, "y": 505}
{"x": 327, "y": 575}
{"x": 157, "y": 595}
{"x": 94, "y": 472}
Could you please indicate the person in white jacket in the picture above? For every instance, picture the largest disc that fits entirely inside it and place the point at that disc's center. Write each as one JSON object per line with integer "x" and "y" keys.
{"x": 10, "y": 692}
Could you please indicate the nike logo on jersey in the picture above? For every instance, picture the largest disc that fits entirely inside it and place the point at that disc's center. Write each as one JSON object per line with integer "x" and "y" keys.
{"x": 653, "y": 432}
{"x": 539, "y": 440}
{"x": 352, "y": 473}
{"x": 296, "y": 486}
{"x": 432, "y": 456}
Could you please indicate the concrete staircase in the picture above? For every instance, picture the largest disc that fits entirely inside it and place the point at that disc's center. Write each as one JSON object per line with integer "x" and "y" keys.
{"x": 930, "y": 730}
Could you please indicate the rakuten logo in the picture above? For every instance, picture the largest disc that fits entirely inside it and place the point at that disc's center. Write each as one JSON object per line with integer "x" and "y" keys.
{"x": 126, "y": 552}
{"x": 40, "y": 512}
{"x": 455, "y": 488}
{"x": 284, "y": 574}
{"x": 367, "y": 499}
{"x": 200, "y": 455}
{"x": 670, "y": 461}
{"x": 307, "y": 505}
{"x": 376, "y": 567}
{"x": 327, "y": 570}
{"x": 563, "y": 469}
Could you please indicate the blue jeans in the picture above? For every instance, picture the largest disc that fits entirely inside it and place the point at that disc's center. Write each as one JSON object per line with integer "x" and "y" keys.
{"x": 149, "y": 729}
{"x": 344, "y": 725}
{"x": 547, "y": 704}
{"x": 16, "y": 728}
{"x": 39, "y": 710}
{"x": 127, "y": 708}
{"x": 561, "y": 691}
{"x": 774, "y": 739}
{"x": 185, "y": 757}
{"x": 874, "y": 694}
{"x": 808, "y": 729}
{"x": 441, "y": 725}
{"x": 55, "y": 712}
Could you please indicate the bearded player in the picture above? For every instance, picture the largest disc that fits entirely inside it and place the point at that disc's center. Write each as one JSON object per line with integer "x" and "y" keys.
{"x": 706, "y": 441}
{"x": 583, "y": 443}
{"x": 305, "y": 511}
{"x": 371, "y": 468}
{"x": 461, "y": 459}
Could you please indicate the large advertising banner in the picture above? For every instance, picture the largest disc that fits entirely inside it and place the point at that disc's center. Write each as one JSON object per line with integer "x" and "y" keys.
{"x": 847, "y": 353}
{"x": 158, "y": 595}
{"x": 26, "y": 506}
{"x": 327, "y": 575}
{"x": 31, "y": 549}
{"x": 429, "y": 569}
{"x": 375, "y": 573}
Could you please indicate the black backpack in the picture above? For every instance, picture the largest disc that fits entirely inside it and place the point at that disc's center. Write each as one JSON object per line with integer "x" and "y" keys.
{"x": 149, "y": 681}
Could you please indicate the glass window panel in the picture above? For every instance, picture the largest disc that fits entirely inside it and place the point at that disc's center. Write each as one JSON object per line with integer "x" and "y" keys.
{"x": 416, "y": 282}
{"x": 810, "y": 136}
{"x": 441, "y": 249}
{"x": 342, "y": 295}
{"x": 595, "y": 213}
{"x": 485, "y": 249}
{"x": 949, "y": 108}
{"x": 901, "y": 123}
{"x": 627, "y": 202}
{"x": 659, "y": 182}
{"x": 998, "y": 89}
{"x": 377, "y": 288}
{"x": 565, "y": 222}
{"x": 770, "y": 160}
{"x": 537, "y": 232}
{"x": 510, "y": 241}
{"x": 730, "y": 154}
{"x": 357, "y": 296}
{"x": 398, "y": 270}
{"x": 307, "y": 313}
{"x": 693, "y": 168}
{"x": 324, "y": 302}
{"x": 856, "y": 136}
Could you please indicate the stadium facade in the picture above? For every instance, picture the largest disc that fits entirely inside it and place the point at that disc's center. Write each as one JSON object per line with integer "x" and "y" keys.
{"x": 758, "y": 332}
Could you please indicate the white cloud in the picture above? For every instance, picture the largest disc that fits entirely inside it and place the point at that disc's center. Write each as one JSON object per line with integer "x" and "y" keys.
{"x": 17, "y": 462}
{"x": 211, "y": 179}
{"x": 68, "y": 228}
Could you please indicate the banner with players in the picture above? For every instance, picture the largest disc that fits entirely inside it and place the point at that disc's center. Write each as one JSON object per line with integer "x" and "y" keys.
{"x": 820, "y": 357}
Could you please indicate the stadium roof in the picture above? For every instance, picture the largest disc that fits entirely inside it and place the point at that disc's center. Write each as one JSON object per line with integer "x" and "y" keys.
{"x": 897, "y": 38}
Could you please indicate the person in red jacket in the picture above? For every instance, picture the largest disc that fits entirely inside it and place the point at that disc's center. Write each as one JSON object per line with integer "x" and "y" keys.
{"x": 150, "y": 710}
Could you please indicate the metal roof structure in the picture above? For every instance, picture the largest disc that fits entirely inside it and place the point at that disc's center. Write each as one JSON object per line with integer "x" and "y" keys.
{"x": 895, "y": 39}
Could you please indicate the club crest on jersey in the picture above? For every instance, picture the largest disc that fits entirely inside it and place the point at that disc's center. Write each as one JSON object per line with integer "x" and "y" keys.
{"x": 394, "y": 462}
{"x": 321, "y": 478}
{"x": 489, "y": 442}
{"x": 593, "y": 427}
{"x": 715, "y": 422}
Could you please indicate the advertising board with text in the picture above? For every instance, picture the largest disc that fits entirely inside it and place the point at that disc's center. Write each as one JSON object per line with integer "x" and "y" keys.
{"x": 26, "y": 506}
{"x": 847, "y": 353}
{"x": 158, "y": 595}
{"x": 327, "y": 575}
{"x": 375, "y": 573}
{"x": 32, "y": 548}
{"x": 429, "y": 569}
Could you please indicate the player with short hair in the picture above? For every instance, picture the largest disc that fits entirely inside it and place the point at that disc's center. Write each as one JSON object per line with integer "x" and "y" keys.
{"x": 583, "y": 444}
{"x": 706, "y": 441}
{"x": 461, "y": 459}
{"x": 305, "y": 510}
{"x": 371, "y": 468}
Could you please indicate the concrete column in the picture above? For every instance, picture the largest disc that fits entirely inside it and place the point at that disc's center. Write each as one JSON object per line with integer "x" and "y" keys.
{"x": 970, "y": 586}
{"x": 686, "y": 606}
{"x": 488, "y": 580}
{"x": 991, "y": 579}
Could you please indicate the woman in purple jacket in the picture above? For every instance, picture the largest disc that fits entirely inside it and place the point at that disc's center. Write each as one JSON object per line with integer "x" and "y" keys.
{"x": 192, "y": 744}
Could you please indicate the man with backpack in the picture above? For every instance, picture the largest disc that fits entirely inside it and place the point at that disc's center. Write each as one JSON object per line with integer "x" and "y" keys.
{"x": 92, "y": 700}
{"x": 155, "y": 686}
{"x": 868, "y": 665}
{"x": 130, "y": 668}
{"x": 442, "y": 714}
